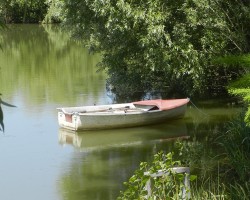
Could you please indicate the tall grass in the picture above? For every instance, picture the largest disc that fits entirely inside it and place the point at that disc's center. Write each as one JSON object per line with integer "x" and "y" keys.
{"x": 212, "y": 190}
{"x": 209, "y": 190}
{"x": 240, "y": 191}
{"x": 236, "y": 145}
{"x": 224, "y": 172}
{"x": 233, "y": 178}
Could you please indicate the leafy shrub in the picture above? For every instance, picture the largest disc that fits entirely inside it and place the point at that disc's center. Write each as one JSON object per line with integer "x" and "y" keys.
{"x": 168, "y": 186}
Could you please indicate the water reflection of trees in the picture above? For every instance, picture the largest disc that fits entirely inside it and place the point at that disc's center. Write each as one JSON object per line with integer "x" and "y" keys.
{"x": 46, "y": 64}
{"x": 100, "y": 174}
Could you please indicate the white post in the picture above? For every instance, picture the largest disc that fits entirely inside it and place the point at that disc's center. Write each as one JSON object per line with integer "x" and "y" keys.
{"x": 178, "y": 170}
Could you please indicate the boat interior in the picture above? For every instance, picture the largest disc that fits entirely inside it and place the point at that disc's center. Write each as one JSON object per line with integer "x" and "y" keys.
{"x": 117, "y": 108}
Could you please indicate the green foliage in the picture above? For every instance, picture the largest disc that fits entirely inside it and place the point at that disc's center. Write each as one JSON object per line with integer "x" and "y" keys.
{"x": 55, "y": 11}
{"x": 23, "y": 11}
{"x": 165, "y": 187}
{"x": 239, "y": 87}
{"x": 232, "y": 60}
{"x": 159, "y": 45}
{"x": 240, "y": 191}
{"x": 236, "y": 144}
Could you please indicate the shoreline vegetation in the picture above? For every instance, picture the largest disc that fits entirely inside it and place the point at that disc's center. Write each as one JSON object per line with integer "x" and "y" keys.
{"x": 167, "y": 47}
{"x": 219, "y": 168}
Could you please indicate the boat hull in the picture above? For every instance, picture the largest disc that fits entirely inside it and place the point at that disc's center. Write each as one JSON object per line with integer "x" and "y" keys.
{"x": 121, "y": 119}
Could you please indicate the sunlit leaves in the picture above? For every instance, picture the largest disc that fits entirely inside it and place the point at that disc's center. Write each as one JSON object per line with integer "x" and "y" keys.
{"x": 55, "y": 11}
{"x": 240, "y": 87}
{"x": 243, "y": 82}
{"x": 193, "y": 177}
{"x": 244, "y": 93}
{"x": 168, "y": 186}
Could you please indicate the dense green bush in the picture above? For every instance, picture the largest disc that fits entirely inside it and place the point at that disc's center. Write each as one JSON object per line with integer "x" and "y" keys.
{"x": 164, "y": 187}
{"x": 23, "y": 11}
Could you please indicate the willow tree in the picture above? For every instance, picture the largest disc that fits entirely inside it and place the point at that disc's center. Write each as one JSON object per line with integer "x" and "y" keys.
{"x": 160, "y": 45}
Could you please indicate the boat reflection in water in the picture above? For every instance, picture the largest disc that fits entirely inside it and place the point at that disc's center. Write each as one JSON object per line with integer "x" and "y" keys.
{"x": 104, "y": 139}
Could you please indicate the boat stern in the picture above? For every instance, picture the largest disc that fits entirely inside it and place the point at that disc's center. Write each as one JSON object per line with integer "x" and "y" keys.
{"x": 68, "y": 120}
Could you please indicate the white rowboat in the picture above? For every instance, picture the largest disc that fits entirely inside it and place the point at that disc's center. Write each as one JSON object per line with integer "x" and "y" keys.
{"x": 121, "y": 115}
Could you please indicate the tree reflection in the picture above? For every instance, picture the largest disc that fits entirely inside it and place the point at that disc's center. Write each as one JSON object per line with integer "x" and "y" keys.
{"x": 100, "y": 174}
{"x": 55, "y": 65}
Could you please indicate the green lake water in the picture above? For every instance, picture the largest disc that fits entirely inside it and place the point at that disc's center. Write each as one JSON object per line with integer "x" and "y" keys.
{"x": 42, "y": 69}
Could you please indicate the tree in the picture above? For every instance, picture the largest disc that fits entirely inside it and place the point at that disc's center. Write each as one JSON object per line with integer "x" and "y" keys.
{"x": 23, "y": 11}
{"x": 159, "y": 45}
{"x": 55, "y": 11}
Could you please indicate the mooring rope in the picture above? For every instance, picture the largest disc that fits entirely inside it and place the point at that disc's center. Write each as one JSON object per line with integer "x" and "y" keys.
{"x": 198, "y": 108}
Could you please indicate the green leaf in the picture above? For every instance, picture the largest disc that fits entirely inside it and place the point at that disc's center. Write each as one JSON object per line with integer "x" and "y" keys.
{"x": 192, "y": 177}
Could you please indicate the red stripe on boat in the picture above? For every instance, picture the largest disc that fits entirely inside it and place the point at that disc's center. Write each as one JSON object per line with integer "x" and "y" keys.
{"x": 163, "y": 104}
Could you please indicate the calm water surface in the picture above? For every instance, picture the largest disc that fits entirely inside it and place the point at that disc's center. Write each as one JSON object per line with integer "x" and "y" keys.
{"x": 42, "y": 69}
